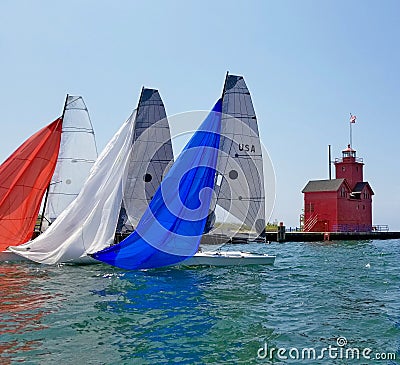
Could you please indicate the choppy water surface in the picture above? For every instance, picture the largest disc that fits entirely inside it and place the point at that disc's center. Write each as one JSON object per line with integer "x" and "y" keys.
{"x": 315, "y": 294}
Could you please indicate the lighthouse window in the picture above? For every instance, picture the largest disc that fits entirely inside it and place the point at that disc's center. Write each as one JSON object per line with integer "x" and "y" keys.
{"x": 343, "y": 168}
{"x": 310, "y": 207}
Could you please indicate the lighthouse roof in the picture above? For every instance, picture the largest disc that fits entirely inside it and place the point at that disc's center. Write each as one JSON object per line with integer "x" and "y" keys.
{"x": 323, "y": 185}
{"x": 348, "y": 149}
{"x": 360, "y": 186}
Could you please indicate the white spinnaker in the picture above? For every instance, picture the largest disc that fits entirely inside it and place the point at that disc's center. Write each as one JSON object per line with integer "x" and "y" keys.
{"x": 150, "y": 158}
{"x": 78, "y": 152}
{"x": 88, "y": 224}
{"x": 240, "y": 186}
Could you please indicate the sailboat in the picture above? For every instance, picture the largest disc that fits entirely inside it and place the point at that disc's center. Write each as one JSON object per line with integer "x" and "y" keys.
{"x": 129, "y": 166}
{"x": 150, "y": 158}
{"x": 78, "y": 153}
{"x": 47, "y": 162}
{"x": 239, "y": 182}
{"x": 172, "y": 227}
{"x": 229, "y": 258}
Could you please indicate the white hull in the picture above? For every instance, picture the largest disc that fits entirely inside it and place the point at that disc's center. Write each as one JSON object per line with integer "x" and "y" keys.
{"x": 83, "y": 260}
{"x": 229, "y": 258}
{"x": 222, "y": 258}
{"x": 214, "y": 239}
{"x": 8, "y": 256}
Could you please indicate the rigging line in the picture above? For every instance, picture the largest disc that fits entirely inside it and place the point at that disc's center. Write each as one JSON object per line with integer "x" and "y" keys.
{"x": 246, "y": 156}
{"x": 73, "y": 129}
{"x": 75, "y": 159}
{"x": 258, "y": 198}
{"x": 70, "y": 107}
{"x": 66, "y": 194}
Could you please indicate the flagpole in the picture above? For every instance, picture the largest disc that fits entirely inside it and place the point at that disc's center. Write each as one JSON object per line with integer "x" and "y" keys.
{"x": 351, "y": 137}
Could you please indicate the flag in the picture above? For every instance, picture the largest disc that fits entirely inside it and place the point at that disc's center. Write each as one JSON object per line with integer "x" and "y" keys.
{"x": 352, "y": 118}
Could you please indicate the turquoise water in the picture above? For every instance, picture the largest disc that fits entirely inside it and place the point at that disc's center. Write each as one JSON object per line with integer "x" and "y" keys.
{"x": 313, "y": 295}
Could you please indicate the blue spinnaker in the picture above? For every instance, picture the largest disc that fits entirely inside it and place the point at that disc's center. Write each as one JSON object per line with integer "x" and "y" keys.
{"x": 171, "y": 228}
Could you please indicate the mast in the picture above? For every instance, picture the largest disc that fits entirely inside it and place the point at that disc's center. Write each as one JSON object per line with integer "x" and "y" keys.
{"x": 48, "y": 188}
{"x": 65, "y": 106}
{"x": 137, "y": 113}
{"x": 223, "y": 90}
{"x": 140, "y": 100}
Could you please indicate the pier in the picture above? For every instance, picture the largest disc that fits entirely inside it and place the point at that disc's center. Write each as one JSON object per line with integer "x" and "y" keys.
{"x": 291, "y": 236}
{"x": 329, "y": 236}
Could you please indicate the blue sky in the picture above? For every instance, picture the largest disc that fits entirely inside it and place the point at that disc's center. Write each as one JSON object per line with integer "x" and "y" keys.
{"x": 308, "y": 65}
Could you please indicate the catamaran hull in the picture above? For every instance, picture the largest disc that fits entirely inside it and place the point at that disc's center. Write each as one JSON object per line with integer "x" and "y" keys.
{"x": 228, "y": 258}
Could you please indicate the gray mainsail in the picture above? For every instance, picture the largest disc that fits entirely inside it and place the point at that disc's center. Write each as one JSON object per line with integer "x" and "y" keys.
{"x": 240, "y": 181}
{"x": 150, "y": 158}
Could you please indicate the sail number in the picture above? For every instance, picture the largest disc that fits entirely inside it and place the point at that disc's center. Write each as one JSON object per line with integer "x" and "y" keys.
{"x": 247, "y": 147}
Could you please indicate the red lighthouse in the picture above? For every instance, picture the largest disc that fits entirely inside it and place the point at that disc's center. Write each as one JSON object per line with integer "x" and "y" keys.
{"x": 343, "y": 204}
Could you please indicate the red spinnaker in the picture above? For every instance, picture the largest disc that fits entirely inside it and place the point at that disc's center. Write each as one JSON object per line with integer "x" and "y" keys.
{"x": 24, "y": 178}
